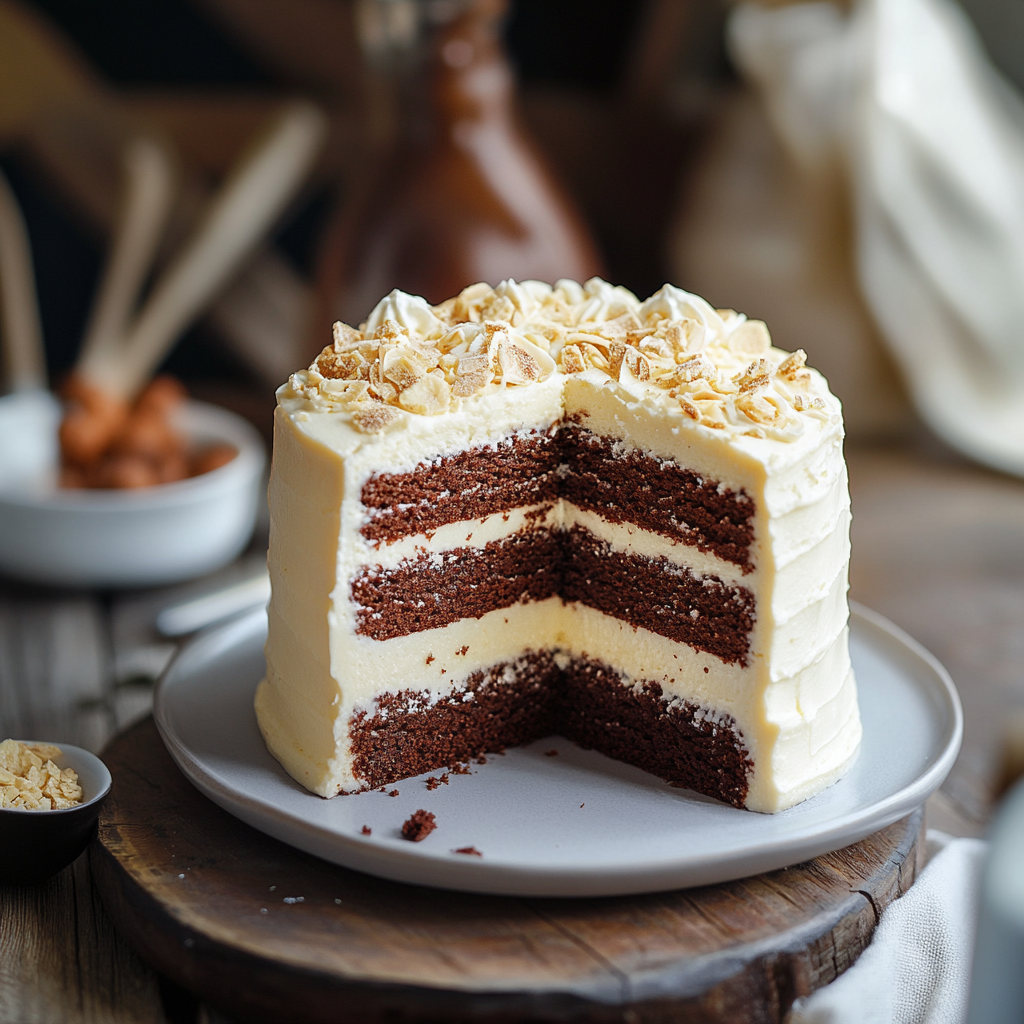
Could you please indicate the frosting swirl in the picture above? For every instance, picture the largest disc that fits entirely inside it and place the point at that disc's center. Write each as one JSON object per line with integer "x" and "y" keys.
{"x": 714, "y": 368}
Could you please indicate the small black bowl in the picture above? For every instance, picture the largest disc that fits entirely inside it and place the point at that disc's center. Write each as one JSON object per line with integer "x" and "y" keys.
{"x": 35, "y": 845}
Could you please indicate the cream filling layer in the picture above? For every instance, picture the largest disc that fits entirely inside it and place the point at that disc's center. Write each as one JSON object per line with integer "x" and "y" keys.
{"x": 558, "y": 515}
{"x": 798, "y": 729}
{"x": 470, "y": 533}
{"x": 805, "y": 579}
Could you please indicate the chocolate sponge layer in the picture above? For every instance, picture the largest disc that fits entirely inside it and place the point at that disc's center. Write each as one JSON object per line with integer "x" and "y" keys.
{"x": 431, "y": 591}
{"x": 592, "y": 471}
{"x": 510, "y": 704}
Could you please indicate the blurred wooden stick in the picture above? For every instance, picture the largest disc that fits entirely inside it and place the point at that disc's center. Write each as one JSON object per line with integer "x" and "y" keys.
{"x": 242, "y": 212}
{"x": 57, "y": 109}
{"x": 22, "y": 333}
{"x": 149, "y": 190}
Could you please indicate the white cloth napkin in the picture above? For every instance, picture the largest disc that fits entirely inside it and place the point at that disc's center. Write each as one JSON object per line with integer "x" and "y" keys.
{"x": 917, "y": 969}
{"x": 901, "y": 93}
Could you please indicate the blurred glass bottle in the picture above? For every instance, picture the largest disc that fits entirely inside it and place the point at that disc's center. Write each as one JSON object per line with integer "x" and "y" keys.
{"x": 454, "y": 192}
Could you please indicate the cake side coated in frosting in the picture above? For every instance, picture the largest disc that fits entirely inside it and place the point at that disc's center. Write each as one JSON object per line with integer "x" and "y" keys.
{"x": 559, "y": 509}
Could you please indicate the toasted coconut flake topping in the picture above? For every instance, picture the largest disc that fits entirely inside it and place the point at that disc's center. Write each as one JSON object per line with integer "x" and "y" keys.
{"x": 714, "y": 367}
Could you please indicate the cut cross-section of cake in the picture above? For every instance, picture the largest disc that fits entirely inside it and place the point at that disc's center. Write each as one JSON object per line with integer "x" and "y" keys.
{"x": 535, "y": 510}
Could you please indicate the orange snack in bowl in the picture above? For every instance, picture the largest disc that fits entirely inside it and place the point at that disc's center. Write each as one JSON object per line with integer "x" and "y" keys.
{"x": 105, "y": 443}
{"x": 173, "y": 466}
{"x": 148, "y": 434}
{"x": 162, "y": 396}
{"x": 211, "y": 458}
{"x": 125, "y": 472}
{"x": 92, "y": 420}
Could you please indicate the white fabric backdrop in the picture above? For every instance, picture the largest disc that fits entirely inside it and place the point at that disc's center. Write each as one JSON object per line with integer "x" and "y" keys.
{"x": 902, "y": 95}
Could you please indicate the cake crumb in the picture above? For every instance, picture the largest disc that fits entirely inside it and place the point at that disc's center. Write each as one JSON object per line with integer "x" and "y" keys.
{"x": 705, "y": 670}
{"x": 393, "y": 792}
{"x": 463, "y": 649}
{"x": 472, "y": 851}
{"x": 460, "y": 769}
{"x": 366, "y": 830}
{"x": 419, "y": 826}
{"x": 551, "y": 753}
{"x": 581, "y": 805}
{"x": 433, "y": 783}
{"x": 481, "y": 759}
{"x": 430, "y": 658}
{"x": 30, "y": 780}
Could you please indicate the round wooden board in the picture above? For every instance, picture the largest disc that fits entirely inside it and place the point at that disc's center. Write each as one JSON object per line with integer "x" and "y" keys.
{"x": 204, "y": 898}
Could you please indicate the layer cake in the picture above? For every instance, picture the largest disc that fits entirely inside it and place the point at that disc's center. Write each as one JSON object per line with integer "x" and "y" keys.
{"x": 535, "y": 510}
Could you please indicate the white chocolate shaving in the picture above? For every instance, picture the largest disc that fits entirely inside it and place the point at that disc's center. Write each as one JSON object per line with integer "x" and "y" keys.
{"x": 713, "y": 367}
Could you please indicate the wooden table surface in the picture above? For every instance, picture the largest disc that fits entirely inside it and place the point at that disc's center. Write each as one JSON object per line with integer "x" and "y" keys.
{"x": 938, "y": 548}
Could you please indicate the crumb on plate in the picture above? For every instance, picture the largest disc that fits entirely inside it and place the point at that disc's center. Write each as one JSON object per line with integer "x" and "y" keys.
{"x": 419, "y": 826}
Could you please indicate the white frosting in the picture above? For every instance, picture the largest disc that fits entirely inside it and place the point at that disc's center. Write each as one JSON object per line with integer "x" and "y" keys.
{"x": 713, "y": 367}
{"x": 411, "y": 311}
{"x": 602, "y": 301}
{"x": 672, "y": 303}
{"x": 794, "y": 702}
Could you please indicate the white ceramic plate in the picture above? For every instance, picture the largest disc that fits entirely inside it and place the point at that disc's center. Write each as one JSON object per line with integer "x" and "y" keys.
{"x": 579, "y": 824}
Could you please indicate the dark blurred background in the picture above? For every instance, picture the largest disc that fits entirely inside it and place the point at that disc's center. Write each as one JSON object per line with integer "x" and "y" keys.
{"x": 633, "y": 104}
{"x": 575, "y": 61}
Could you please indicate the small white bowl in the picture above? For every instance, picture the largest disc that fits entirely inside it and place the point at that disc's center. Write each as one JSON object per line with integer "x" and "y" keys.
{"x": 131, "y": 538}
